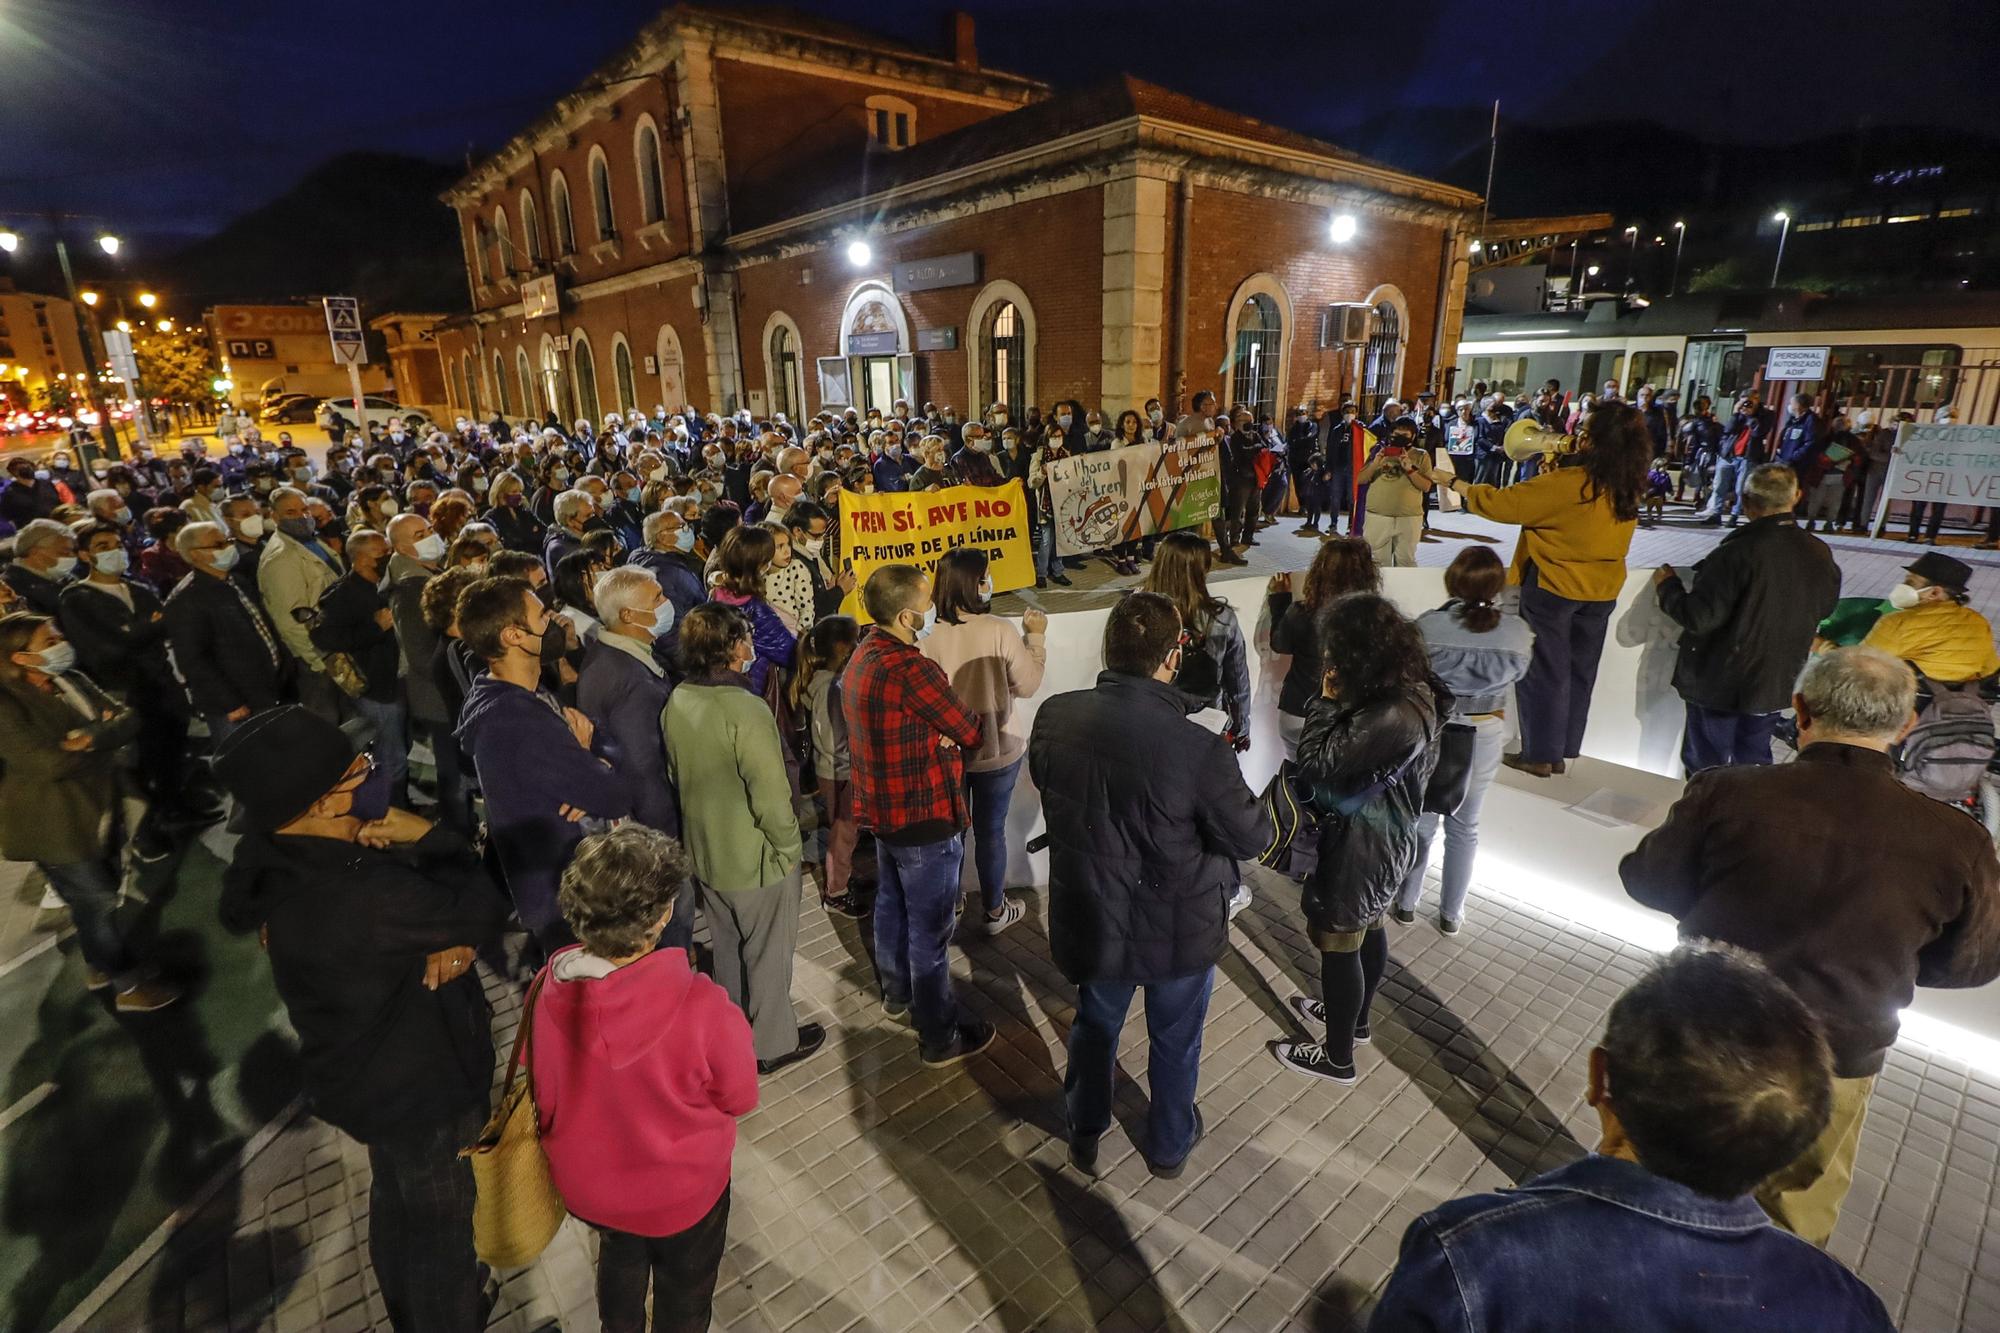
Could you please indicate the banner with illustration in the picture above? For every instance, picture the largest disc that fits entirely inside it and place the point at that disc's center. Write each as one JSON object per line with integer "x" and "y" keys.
{"x": 916, "y": 527}
{"x": 1138, "y": 490}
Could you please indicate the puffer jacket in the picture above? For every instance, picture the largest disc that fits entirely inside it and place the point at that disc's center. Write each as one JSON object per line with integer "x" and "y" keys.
{"x": 1377, "y": 759}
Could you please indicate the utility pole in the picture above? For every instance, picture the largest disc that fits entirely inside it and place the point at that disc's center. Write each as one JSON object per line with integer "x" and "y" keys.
{"x": 93, "y": 354}
{"x": 1680, "y": 239}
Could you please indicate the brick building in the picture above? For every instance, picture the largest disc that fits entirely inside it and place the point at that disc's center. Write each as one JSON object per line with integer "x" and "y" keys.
{"x": 779, "y": 213}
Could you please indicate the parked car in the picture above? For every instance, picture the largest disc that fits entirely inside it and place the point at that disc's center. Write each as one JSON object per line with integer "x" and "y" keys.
{"x": 290, "y": 409}
{"x": 376, "y": 408}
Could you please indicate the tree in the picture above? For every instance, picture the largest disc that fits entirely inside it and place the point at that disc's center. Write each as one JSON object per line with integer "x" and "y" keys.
{"x": 179, "y": 366}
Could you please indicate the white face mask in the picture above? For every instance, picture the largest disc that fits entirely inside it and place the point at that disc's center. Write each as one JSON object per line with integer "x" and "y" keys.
{"x": 1903, "y": 596}
{"x": 64, "y": 567}
{"x": 111, "y": 562}
{"x": 810, "y": 547}
{"x": 986, "y": 589}
{"x": 252, "y": 527}
{"x": 390, "y": 509}
{"x": 429, "y": 549}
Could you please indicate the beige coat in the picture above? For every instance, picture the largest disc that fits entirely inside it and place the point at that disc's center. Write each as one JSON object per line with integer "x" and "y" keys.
{"x": 990, "y": 665}
{"x": 290, "y": 576}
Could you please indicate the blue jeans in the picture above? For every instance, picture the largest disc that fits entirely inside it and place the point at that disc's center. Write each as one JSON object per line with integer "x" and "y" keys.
{"x": 90, "y": 890}
{"x": 916, "y": 896}
{"x": 1726, "y": 494}
{"x": 1715, "y": 738}
{"x": 990, "y": 794}
{"x": 1176, "y": 1009}
{"x": 391, "y": 744}
{"x": 1045, "y": 552}
{"x": 1461, "y": 829}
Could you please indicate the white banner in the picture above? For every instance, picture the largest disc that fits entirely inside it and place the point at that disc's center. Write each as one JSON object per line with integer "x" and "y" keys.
{"x": 1137, "y": 490}
{"x": 1932, "y": 464}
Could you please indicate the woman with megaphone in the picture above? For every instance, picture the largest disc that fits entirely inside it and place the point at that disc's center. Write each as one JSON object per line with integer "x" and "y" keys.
{"x": 1576, "y": 526}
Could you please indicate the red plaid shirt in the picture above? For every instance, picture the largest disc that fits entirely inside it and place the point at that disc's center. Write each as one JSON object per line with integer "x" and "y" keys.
{"x": 899, "y": 705}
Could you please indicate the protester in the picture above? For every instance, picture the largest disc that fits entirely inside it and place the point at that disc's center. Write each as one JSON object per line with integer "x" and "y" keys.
{"x": 61, "y": 786}
{"x": 907, "y": 737}
{"x": 1399, "y": 479}
{"x": 1367, "y": 752}
{"x": 1747, "y": 624}
{"x": 354, "y": 620}
{"x": 293, "y": 574}
{"x": 371, "y": 917}
{"x": 1147, "y": 816}
{"x": 727, "y": 764}
{"x": 1576, "y": 525}
{"x": 990, "y": 664}
{"x": 1215, "y": 668}
{"x": 623, "y": 689}
{"x": 1478, "y": 649}
{"x": 1342, "y": 565}
{"x": 641, "y": 1068}
{"x": 1710, "y": 1076}
{"x": 743, "y": 562}
{"x": 1902, "y": 892}
{"x": 44, "y": 561}
{"x": 221, "y": 641}
{"x": 1931, "y": 626}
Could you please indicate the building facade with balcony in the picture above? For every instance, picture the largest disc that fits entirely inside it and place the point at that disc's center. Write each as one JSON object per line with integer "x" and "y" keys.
{"x": 784, "y": 215}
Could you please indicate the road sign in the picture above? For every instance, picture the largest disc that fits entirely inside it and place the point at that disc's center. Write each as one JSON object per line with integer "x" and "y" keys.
{"x": 343, "y": 329}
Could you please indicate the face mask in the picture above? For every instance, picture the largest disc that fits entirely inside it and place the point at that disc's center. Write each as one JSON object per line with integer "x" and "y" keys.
{"x": 999, "y": 418}
{"x": 397, "y": 436}
{"x": 810, "y": 547}
{"x": 57, "y": 658}
{"x": 298, "y": 529}
{"x": 663, "y": 619}
{"x": 390, "y": 509}
{"x": 983, "y": 446}
{"x": 235, "y": 448}
{"x": 1063, "y": 419}
{"x": 64, "y": 567}
{"x": 41, "y": 474}
{"x": 930, "y": 619}
{"x": 684, "y": 539}
{"x": 514, "y": 500}
{"x": 632, "y": 494}
{"x": 554, "y": 643}
{"x": 986, "y": 589}
{"x": 1903, "y": 596}
{"x": 122, "y": 517}
{"x": 370, "y": 801}
{"x": 111, "y": 562}
{"x": 895, "y": 451}
{"x": 951, "y": 418}
{"x": 560, "y": 475}
{"x": 226, "y": 558}
{"x": 252, "y": 527}
{"x": 429, "y": 549}
{"x": 657, "y": 474}
{"x": 479, "y": 485}
{"x": 1157, "y": 416}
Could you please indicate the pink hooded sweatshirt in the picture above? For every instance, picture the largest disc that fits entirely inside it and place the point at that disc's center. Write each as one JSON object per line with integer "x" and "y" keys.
{"x": 640, "y": 1074}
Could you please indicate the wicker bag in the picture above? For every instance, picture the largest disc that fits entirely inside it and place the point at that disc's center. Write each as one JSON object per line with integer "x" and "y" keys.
{"x": 517, "y": 1210}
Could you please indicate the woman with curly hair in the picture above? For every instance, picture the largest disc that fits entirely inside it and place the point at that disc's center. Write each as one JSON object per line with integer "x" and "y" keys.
{"x": 1343, "y": 565}
{"x": 1366, "y": 755}
{"x": 1577, "y": 520}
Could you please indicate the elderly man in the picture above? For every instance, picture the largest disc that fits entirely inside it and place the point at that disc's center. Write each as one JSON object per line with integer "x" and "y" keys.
{"x": 355, "y": 619}
{"x": 295, "y": 570}
{"x": 1710, "y": 1076}
{"x": 1747, "y": 624}
{"x": 572, "y": 511}
{"x": 416, "y": 553}
{"x": 794, "y": 462}
{"x": 1932, "y": 627}
{"x": 44, "y": 560}
{"x": 669, "y": 554}
{"x": 245, "y": 521}
{"x": 222, "y": 641}
{"x": 1851, "y": 887}
{"x": 785, "y": 491}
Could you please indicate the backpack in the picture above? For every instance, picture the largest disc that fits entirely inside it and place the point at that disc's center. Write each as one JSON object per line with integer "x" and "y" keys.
{"x": 1949, "y": 749}
{"x": 1200, "y": 675}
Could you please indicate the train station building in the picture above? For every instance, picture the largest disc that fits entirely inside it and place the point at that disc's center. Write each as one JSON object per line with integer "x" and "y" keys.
{"x": 783, "y": 214}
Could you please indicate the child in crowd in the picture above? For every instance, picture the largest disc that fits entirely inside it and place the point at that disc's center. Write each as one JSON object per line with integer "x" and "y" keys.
{"x": 1659, "y": 481}
{"x": 816, "y": 696}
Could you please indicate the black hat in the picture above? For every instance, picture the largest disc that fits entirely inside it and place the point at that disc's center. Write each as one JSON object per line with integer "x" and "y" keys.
{"x": 280, "y": 761}
{"x": 1941, "y": 569}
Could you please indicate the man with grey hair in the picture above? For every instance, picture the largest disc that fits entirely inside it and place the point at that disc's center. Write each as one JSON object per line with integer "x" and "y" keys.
{"x": 623, "y": 689}
{"x": 1747, "y": 623}
{"x": 295, "y": 569}
{"x": 245, "y": 521}
{"x": 44, "y": 559}
{"x": 668, "y": 552}
{"x": 220, "y": 637}
{"x": 1852, "y": 888}
{"x": 572, "y": 511}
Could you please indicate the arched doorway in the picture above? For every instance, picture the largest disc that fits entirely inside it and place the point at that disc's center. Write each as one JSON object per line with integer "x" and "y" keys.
{"x": 875, "y": 337}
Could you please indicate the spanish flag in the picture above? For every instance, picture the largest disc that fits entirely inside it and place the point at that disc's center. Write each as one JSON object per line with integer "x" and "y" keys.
{"x": 1362, "y": 441}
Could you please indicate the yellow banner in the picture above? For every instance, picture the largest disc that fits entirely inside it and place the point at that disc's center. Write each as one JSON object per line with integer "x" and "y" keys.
{"x": 916, "y": 527}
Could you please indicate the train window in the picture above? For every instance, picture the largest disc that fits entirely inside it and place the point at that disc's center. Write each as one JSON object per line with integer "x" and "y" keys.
{"x": 1654, "y": 368}
{"x": 1729, "y": 382}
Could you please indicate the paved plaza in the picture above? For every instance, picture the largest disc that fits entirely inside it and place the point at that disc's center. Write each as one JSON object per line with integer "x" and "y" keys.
{"x": 873, "y": 1193}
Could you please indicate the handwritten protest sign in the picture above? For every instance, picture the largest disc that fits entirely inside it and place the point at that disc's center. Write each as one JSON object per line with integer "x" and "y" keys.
{"x": 916, "y": 527}
{"x": 1105, "y": 498}
{"x": 1933, "y": 464}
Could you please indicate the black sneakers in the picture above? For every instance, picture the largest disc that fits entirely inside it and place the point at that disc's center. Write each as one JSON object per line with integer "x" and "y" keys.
{"x": 1310, "y": 1058}
{"x": 812, "y": 1036}
{"x": 1314, "y": 1013}
{"x": 972, "y": 1037}
{"x": 1083, "y": 1154}
{"x": 1403, "y": 915}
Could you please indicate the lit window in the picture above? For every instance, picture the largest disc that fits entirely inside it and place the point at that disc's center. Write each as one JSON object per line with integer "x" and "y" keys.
{"x": 1908, "y": 217}
{"x": 1956, "y": 212}
{"x": 892, "y": 122}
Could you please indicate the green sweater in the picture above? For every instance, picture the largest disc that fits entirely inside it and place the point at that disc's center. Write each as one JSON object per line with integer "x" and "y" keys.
{"x": 726, "y": 762}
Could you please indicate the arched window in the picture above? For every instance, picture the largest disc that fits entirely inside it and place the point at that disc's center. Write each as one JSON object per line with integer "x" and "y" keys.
{"x": 555, "y": 389}
{"x": 467, "y": 384}
{"x": 1006, "y": 352}
{"x": 560, "y": 215}
{"x": 787, "y": 386}
{"x": 1380, "y": 369}
{"x": 531, "y": 228}
{"x": 526, "y": 374}
{"x": 621, "y": 374}
{"x": 892, "y": 122}
{"x": 584, "y": 366}
{"x": 652, "y": 180}
{"x": 1259, "y": 337}
{"x": 600, "y": 195}
{"x": 500, "y": 383}
{"x": 503, "y": 242}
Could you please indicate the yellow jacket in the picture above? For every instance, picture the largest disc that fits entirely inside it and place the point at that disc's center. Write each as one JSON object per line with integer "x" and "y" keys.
{"x": 1944, "y": 640}
{"x": 1577, "y": 544}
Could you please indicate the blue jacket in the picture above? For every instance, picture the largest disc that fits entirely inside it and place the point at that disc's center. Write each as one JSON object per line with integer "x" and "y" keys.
{"x": 530, "y": 766}
{"x": 1796, "y": 440}
{"x": 1606, "y": 1244}
{"x": 680, "y": 579}
{"x": 1488, "y": 434}
{"x": 624, "y": 696}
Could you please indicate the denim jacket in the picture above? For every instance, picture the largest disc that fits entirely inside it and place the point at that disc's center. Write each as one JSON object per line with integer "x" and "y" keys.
{"x": 1606, "y": 1244}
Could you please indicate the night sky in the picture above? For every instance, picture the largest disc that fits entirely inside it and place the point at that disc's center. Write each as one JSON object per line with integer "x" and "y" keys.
{"x": 164, "y": 118}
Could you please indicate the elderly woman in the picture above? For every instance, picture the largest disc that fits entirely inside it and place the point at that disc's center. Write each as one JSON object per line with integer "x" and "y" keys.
{"x": 641, "y": 1067}
{"x": 726, "y": 761}
{"x": 60, "y": 796}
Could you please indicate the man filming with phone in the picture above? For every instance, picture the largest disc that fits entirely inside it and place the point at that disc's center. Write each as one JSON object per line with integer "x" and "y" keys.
{"x": 1397, "y": 477}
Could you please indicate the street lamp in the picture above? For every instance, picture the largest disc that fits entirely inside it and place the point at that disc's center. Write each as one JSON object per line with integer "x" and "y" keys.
{"x": 165, "y": 326}
{"x": 1680, "y": 239}
{"x": 109, "y": 244}
{"x": 1784, "y": 230}
{"x": 148, "y": 300}
{"x": 89, "y": 298}
{"x": 1632, "y": 256}
{"x": 124, "y": 326}
{"x": 9, "y": 241}
{"x": 1341, "y": 229}
{"x": 860, "y": 253}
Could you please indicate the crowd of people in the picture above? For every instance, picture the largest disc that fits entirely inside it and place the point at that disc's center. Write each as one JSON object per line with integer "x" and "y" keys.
{"x": 530, "y": 700}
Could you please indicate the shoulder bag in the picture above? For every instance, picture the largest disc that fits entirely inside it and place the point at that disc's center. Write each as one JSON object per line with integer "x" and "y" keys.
{"x": 516, "y": 1208}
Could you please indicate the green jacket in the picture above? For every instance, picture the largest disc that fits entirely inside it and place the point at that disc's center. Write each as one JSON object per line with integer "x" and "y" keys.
{"x": 54, "y": 802}
{"x": 725, "y": 760}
